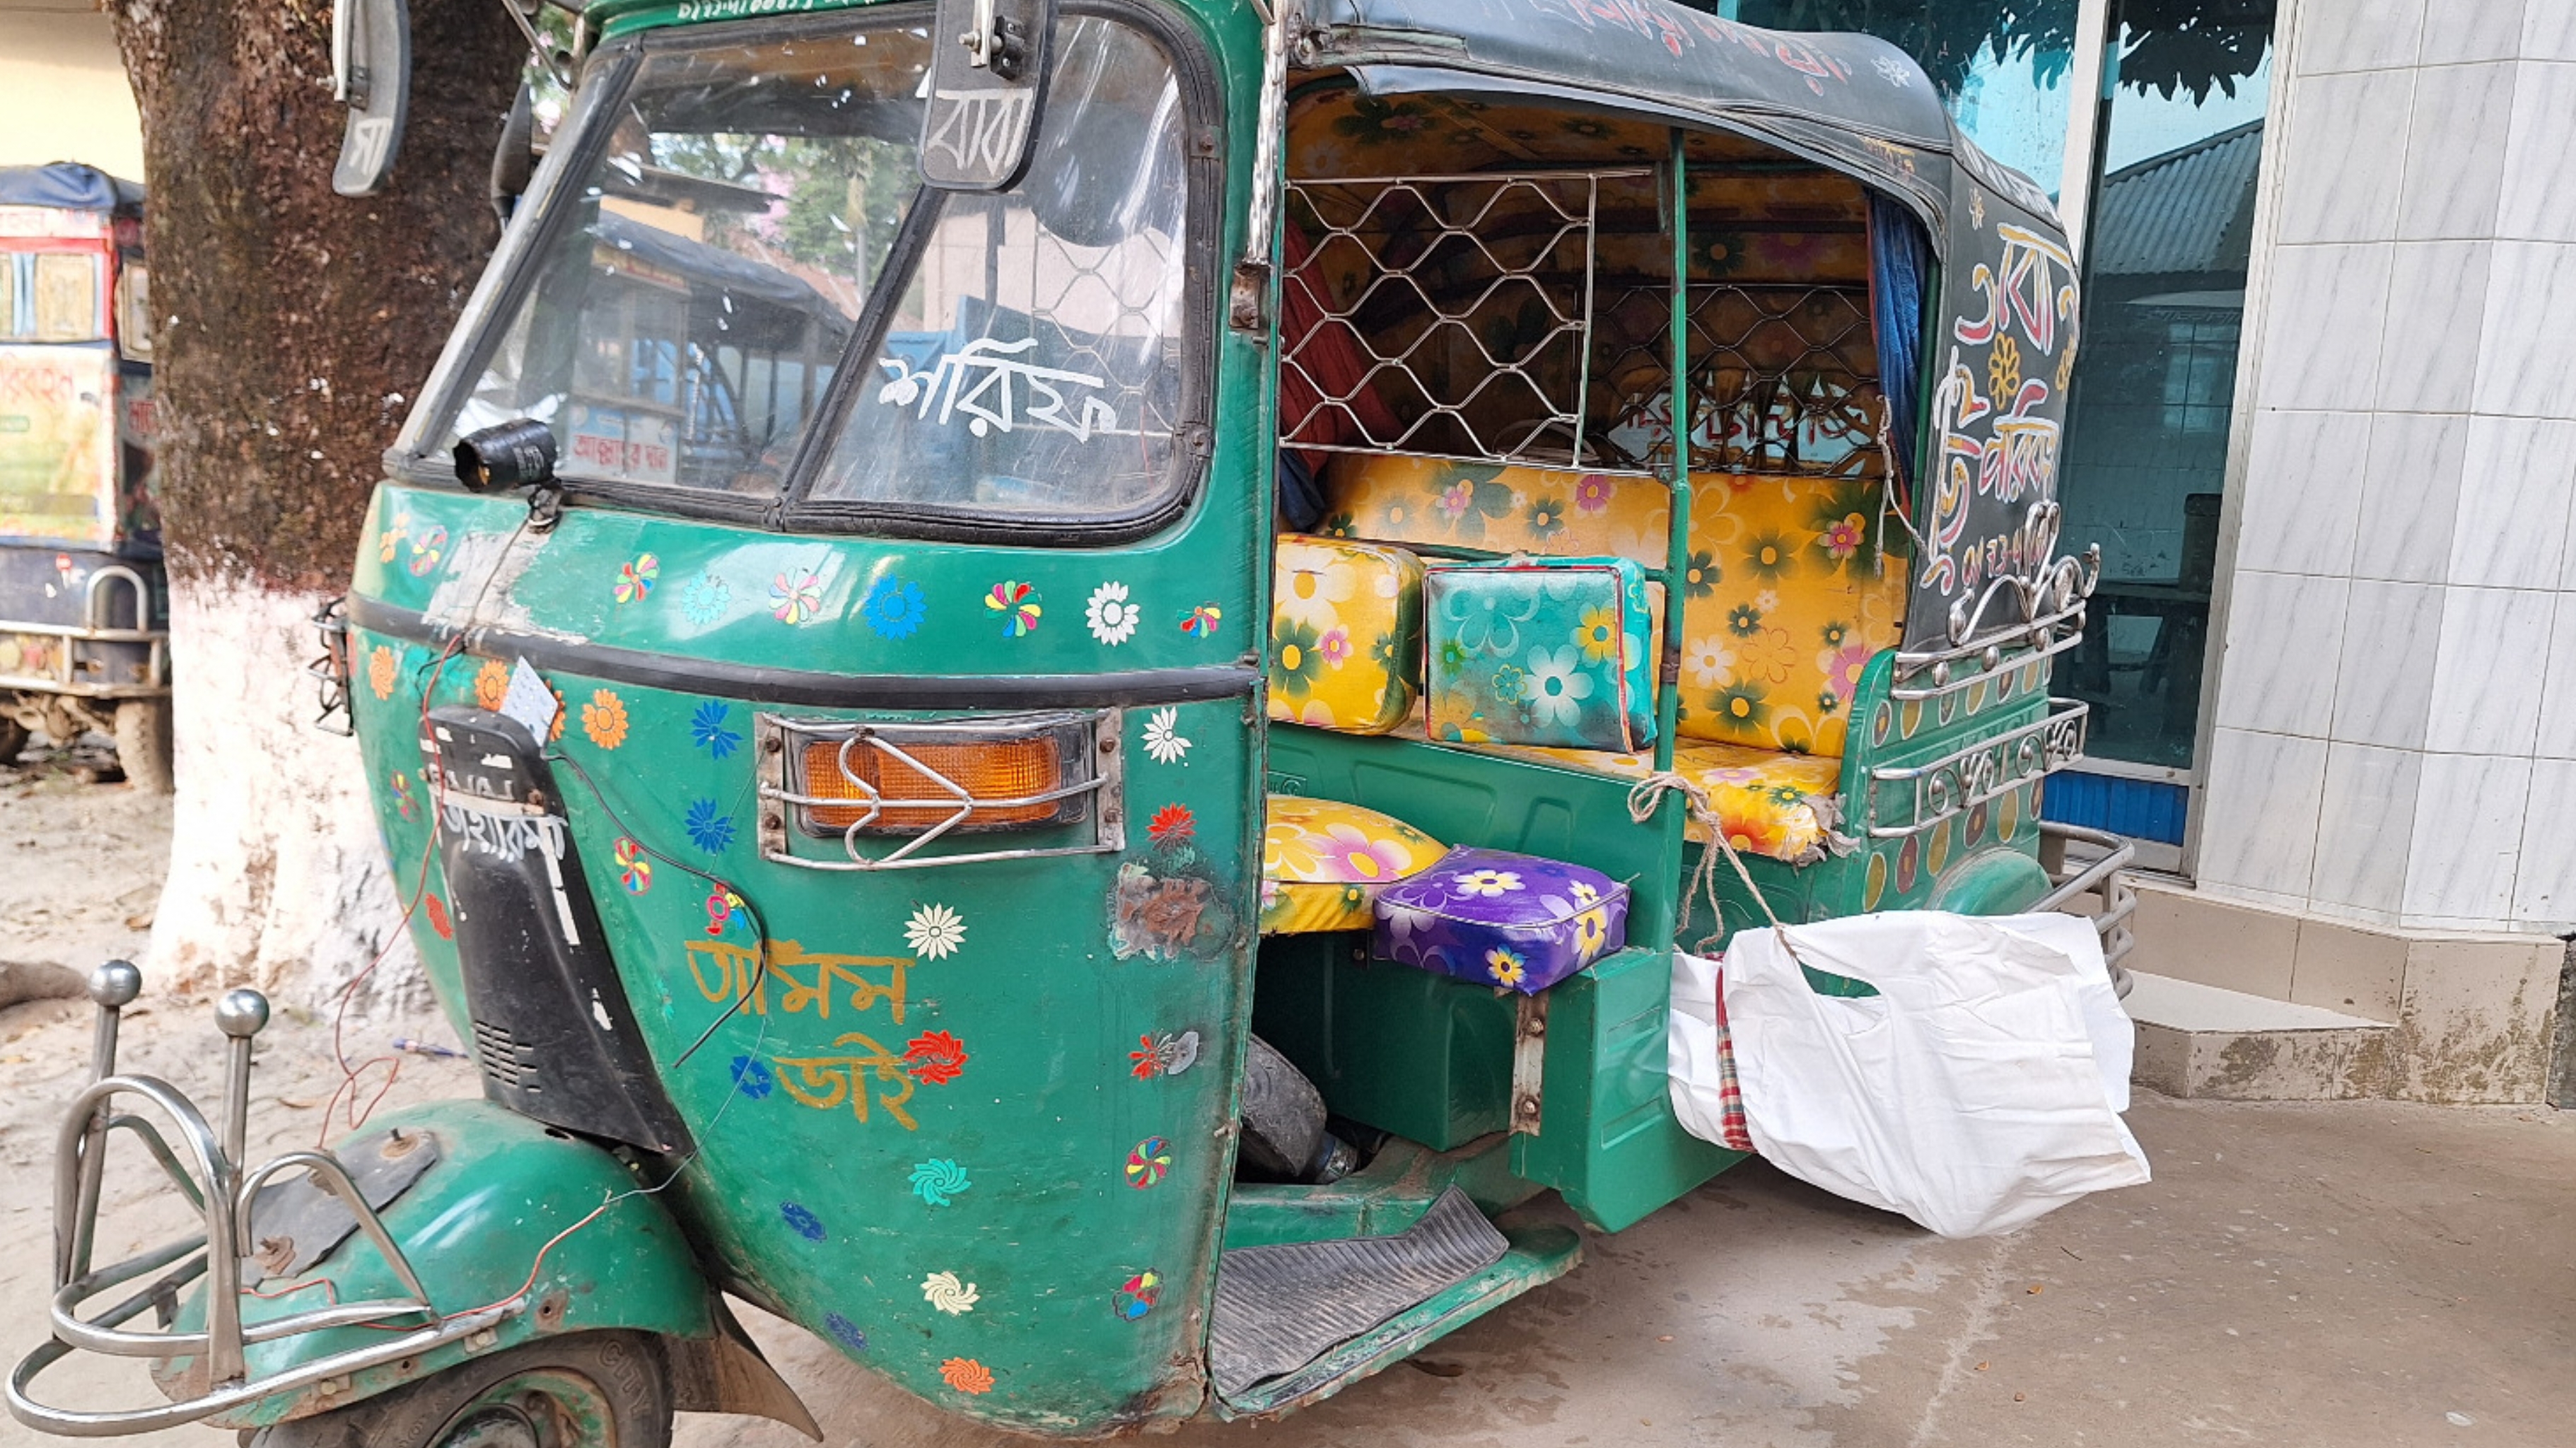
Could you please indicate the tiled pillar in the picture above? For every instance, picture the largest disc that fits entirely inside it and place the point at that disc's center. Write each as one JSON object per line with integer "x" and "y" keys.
{"x": 2393, "y": 740}
{"x": 2395, "y": 724}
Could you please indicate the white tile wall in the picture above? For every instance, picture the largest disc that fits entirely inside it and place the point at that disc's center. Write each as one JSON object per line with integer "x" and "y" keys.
{"x": 2384, "y": 682}
{"x": 2481, "y": 30}
{"x": 2469, "y": 812}
{"x": 2321, "y": 341}
{"x": 2527, "y": 366}
{"x": 2511, "y": 530}
{"x": 2557, "y": 738}
{"x": 2410, "y": 496}
{"x": 2548, "y": 30}
{"x": 2454, "y": 169}
{"x": 2544, "y": 875}
{"x": 2428, "y": 361}
{"x": 2259, "y": 825}
{"x": 2340, "y": 177}
{"x": 2486, "y": 687}
{"x": 2284, "y": 639}
{"x": 2538, "y": 200}
{"x": 2303, "y": 491}
{"x": 2364, "y": 822}
{"x": 2357, "y": 34}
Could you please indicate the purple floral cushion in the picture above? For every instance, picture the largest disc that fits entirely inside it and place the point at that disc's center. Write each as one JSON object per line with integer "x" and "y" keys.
{"x": 1502, "y": 919}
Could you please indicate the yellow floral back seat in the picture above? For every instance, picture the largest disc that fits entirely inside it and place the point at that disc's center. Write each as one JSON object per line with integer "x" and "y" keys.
{"x": 1323, "y": 862}
{"x": 1786, "y": 598}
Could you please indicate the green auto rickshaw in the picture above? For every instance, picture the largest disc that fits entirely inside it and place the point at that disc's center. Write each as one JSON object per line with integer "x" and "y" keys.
{"x": 962, "y": 559}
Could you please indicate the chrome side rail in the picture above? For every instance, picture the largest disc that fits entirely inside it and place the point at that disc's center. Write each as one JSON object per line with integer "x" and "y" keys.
{"x": 207, "y": 1169}
{"x": 2101, "y": 877}
{"x": 1957, "y": 782}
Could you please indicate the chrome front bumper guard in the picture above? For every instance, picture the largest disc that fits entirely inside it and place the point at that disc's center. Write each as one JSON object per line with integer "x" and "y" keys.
{"x": 2101, "y": 877}
{"x": 223, "y": 1191}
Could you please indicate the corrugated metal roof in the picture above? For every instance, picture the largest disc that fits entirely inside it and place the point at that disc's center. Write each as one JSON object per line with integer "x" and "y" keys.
{"x": 2188, "y": 210}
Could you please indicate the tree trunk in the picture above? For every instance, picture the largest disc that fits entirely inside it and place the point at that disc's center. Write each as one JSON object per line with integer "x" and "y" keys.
{"x": 293, "y": 327}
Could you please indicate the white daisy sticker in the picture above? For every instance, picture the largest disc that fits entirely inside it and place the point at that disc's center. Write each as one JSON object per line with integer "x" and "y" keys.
{"x": 942, "y": 1290}
{"x": 1112, "y": 618}
{"x": 935, "y": 932}
{"x": 1163, "y": 737}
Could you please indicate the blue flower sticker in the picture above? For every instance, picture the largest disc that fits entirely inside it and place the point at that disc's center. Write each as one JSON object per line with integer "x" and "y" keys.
{"x": 845, "y": 1332}
{"x": 894, "y": 608}
{"x": 752, "y": 1078}
{"x": 938, "y": 1179}
{"x": 707, "y": 729}
{"x": 709, "y": 829}
{"x": 804, "y": 1223}
{"x": 703, "y": 599}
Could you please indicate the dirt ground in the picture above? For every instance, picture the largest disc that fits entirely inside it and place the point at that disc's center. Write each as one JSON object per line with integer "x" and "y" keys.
{"x": 2349, "y": 1274}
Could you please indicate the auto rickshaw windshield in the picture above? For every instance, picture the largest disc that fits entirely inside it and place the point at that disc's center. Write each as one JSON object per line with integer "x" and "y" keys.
{"x": 709, "y": 274}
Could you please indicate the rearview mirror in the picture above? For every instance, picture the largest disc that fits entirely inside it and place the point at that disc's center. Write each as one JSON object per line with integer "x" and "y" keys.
{"x": 371, "y": 73}
{"x": 987, "y": 84}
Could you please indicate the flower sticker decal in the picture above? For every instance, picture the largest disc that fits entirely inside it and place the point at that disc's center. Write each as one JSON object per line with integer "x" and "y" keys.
{"x": 751, "y": 1078}
{"x": 634, "y": 870}
{"x": 635, "y": 580}
{"x": 426, "y": 551}
{"x": 1149, "y": 1163}
{"x": 894, "y": 608}
{"x": 709, "y": 729}
{"x": 796, "y": 596}
{"x": 934, "y": 1058}
{"x": 1163, "y": 737}
{"x": 802, "y": 1221}
{"x": 1167, "y": 1054}
{"x": 1017, "y": 603}
{"x": 943, "y": 1291}
{"x": 491, "y": 685}
{"x": 845, "y": 1332}
{"x": 1172, "y": 824}
{"x": 380, "y": 671}
{"x": 966, "y": 1375}
{"x": 1201, "y": 622}
{"x": 937, "y": 1180}
{"x": 1111, "y": 617}
{"x": 710, "y": 828}
{"x": 1136, "y": 1295}
{"x": 436, "y": 910}
{"x": 604, "y": 719}
{"x": 389, "y": 542}
{"x": 934, "y": 932}
{"x": 703, "y": 599}
{"x": 725, "y": 910}
{"x": 403, "y": 801}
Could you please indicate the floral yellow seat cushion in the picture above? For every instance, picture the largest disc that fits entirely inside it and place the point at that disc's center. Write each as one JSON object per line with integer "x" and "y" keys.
{"x": 1785, "y": 597}
{"x": 1345, "y": 634}
{"x": 1322, "y": 863}
{"x": 1783, "y": 806}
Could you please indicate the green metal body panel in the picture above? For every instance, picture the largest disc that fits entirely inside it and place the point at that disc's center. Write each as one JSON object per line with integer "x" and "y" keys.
{"x": 471, "y": 1226}
{"x": 1388, "y": 1195}
{"x": 1405, "y": 1050}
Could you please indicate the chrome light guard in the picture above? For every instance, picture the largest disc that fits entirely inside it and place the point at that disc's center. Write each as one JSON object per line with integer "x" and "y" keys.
{"x": 224, "y": 1191}
{"x": 780, "y": 744}
{"x": 1959, "y": 781}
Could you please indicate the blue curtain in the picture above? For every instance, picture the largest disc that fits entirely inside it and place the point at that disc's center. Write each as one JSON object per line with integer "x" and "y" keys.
{"x": 1900, "y": 265}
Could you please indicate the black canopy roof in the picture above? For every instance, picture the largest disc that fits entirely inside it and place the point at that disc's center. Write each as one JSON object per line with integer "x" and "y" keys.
{"x": 69, "y": 186}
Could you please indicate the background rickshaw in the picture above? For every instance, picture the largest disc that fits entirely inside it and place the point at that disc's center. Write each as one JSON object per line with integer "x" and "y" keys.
{"x": 84, "y": 607}
{"x": 862, "y": 869}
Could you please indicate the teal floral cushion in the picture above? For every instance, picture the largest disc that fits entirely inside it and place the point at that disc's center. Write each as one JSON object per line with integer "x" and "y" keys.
{"x": 1543, "y": 651}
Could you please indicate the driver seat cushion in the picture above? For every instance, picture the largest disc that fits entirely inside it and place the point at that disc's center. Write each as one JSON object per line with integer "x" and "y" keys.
{"x": 1323, "y": 862}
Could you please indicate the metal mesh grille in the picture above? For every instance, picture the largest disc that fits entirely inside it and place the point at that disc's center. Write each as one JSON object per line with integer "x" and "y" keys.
{"x": 1784, "y": 377}
{"x": 1442, "y": 315}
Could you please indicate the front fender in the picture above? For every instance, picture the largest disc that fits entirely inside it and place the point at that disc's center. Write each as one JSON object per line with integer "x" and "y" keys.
{"x": 474, "y": 1226}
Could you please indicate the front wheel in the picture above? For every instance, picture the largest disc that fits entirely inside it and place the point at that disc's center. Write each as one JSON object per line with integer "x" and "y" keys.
{"x": 143, "y": 744}
{"x": 590, "y": 1390}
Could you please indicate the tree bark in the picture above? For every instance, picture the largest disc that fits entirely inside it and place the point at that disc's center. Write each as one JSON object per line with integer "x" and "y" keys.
{"x": 293, "y": 327}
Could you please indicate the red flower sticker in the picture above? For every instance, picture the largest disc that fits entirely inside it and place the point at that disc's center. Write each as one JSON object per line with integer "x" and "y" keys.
{"x": 1172, "y": 824}
{"x": 438, "y": 921}
{"x": 935, "y": 1057}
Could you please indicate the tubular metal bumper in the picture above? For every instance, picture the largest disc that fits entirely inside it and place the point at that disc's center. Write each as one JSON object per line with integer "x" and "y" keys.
{"x": 211, "y": 1176}
{"x": 2100, "y": 876}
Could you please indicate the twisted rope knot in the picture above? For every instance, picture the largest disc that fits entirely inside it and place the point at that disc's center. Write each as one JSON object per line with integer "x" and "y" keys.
{"x": 1646, "y": 796}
